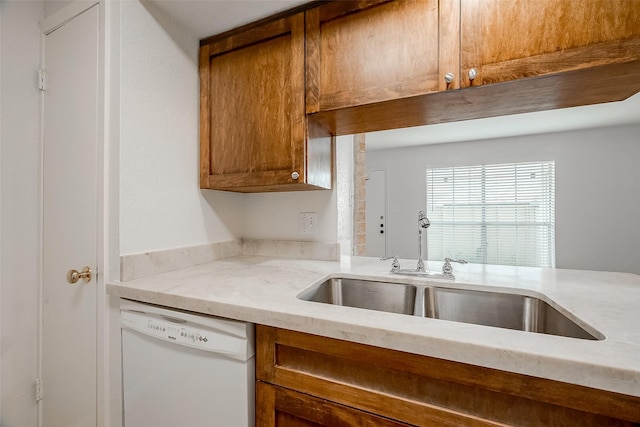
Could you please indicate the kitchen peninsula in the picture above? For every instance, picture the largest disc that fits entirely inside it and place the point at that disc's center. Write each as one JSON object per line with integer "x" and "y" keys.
{"x": 264, "y": 290}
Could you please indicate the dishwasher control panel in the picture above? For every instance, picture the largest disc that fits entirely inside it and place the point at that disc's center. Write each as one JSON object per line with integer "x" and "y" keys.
{"x": 176, "y": 333}
{"x": 179, "y": 331}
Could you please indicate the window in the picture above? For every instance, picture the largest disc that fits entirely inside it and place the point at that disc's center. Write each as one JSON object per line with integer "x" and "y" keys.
{"x": 493, "y": 214}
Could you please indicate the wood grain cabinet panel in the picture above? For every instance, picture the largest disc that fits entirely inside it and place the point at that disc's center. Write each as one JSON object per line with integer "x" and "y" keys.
{"x": 529, "y": 55}
{"x": 254, "y": 134}
{"x": 370, "y": 51}
{"x": 283, "y": 407}
{"x": 274, "y": 93}
{"x": 325, "y": 381}
{"x": 510, "y": 40}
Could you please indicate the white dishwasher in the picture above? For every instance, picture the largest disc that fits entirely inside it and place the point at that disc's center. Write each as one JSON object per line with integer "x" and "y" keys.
{"x": 181, "y": 369}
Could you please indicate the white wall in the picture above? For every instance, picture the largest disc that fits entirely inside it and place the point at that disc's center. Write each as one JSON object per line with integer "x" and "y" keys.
{"x": 274, "y": 216}
{"x": 20, "y": 202}
{"x": 597, "y": 190}
{"x": 53, "y": 6}
{"x": 161, "y": 205}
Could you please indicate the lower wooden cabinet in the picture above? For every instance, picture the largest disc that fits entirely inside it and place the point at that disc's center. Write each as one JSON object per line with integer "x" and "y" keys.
{"x": 307, "y": 380}
{"x": 283, "y": 407}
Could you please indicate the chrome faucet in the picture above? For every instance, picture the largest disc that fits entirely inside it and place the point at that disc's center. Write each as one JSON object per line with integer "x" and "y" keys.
{"x": 423, "y": 223}
{"x": 447, "y": 270}
{"x": 395, "y": 265}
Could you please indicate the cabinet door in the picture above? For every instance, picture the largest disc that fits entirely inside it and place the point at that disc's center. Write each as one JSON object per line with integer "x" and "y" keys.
{"x": 371, "y": 51}
{"x": 253, "y": 125}
{"x": 282, "y": 407}
{"x": 509, "y": 40}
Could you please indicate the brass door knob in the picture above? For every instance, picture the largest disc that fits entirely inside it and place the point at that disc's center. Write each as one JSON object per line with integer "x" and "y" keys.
{"x": 74, "y": 275}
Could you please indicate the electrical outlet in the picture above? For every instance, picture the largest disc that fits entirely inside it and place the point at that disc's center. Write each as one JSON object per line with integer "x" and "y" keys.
{"x": 308, "y": 222}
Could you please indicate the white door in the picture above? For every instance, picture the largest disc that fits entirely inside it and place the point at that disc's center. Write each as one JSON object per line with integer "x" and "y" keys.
{"x": 376, "y": 214}
{"x": 70, "y": 222}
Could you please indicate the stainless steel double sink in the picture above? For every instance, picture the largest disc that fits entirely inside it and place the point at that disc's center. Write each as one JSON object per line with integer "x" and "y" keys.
{"x": 498, "y": 309}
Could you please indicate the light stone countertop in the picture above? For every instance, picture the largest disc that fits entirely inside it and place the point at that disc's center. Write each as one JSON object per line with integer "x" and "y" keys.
{"x": 263, "y": 290}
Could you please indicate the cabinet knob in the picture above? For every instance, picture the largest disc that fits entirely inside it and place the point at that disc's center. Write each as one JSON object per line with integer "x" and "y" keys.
{"x": 473, "y": 73}
{"x": 295, "y": 175}
{"x": 449, "y": 77}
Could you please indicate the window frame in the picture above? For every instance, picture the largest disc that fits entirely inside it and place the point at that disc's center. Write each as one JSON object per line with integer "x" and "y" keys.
{"x": 477, "y": 182}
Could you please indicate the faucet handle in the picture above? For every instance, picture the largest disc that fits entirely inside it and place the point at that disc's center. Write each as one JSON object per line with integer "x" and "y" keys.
{"x": 395, "y": 264}
{"x": 447, "y": 269}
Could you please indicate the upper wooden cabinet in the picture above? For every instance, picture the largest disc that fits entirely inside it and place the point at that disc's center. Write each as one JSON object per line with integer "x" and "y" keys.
{"x": 509, "y": 40}
{"x": 254, "y": 135}
{"x": 273, "y": 93}
{"x": 529, "y": 55}
{"x": 372, "y": 51}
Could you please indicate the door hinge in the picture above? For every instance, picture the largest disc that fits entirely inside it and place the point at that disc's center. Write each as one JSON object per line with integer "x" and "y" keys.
{"x": 38, "y": 389}
{"x": 42, "y": 80}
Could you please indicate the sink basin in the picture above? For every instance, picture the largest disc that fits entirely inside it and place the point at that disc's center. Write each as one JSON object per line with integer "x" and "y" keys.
{"x": 369, "y": 294}
{"x": 502, "y": 310}
{"x": 496, "y": 309}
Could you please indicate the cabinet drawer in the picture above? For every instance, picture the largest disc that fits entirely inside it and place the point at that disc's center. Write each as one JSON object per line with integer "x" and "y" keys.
{"x": 282, "y": 407}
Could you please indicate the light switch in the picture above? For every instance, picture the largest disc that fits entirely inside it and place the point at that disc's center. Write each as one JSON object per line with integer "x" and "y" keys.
{"x": 308, "y": 222}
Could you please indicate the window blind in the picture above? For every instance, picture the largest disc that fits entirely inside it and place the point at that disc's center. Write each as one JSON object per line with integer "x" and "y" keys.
{"x": 493, "y": 214}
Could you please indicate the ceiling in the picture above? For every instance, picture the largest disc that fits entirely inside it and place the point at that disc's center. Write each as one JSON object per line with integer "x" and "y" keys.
{"x": 204, "y": 18}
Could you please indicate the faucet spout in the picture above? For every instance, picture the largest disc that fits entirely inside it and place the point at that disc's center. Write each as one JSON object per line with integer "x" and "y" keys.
{"x": 423, "y": 223}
